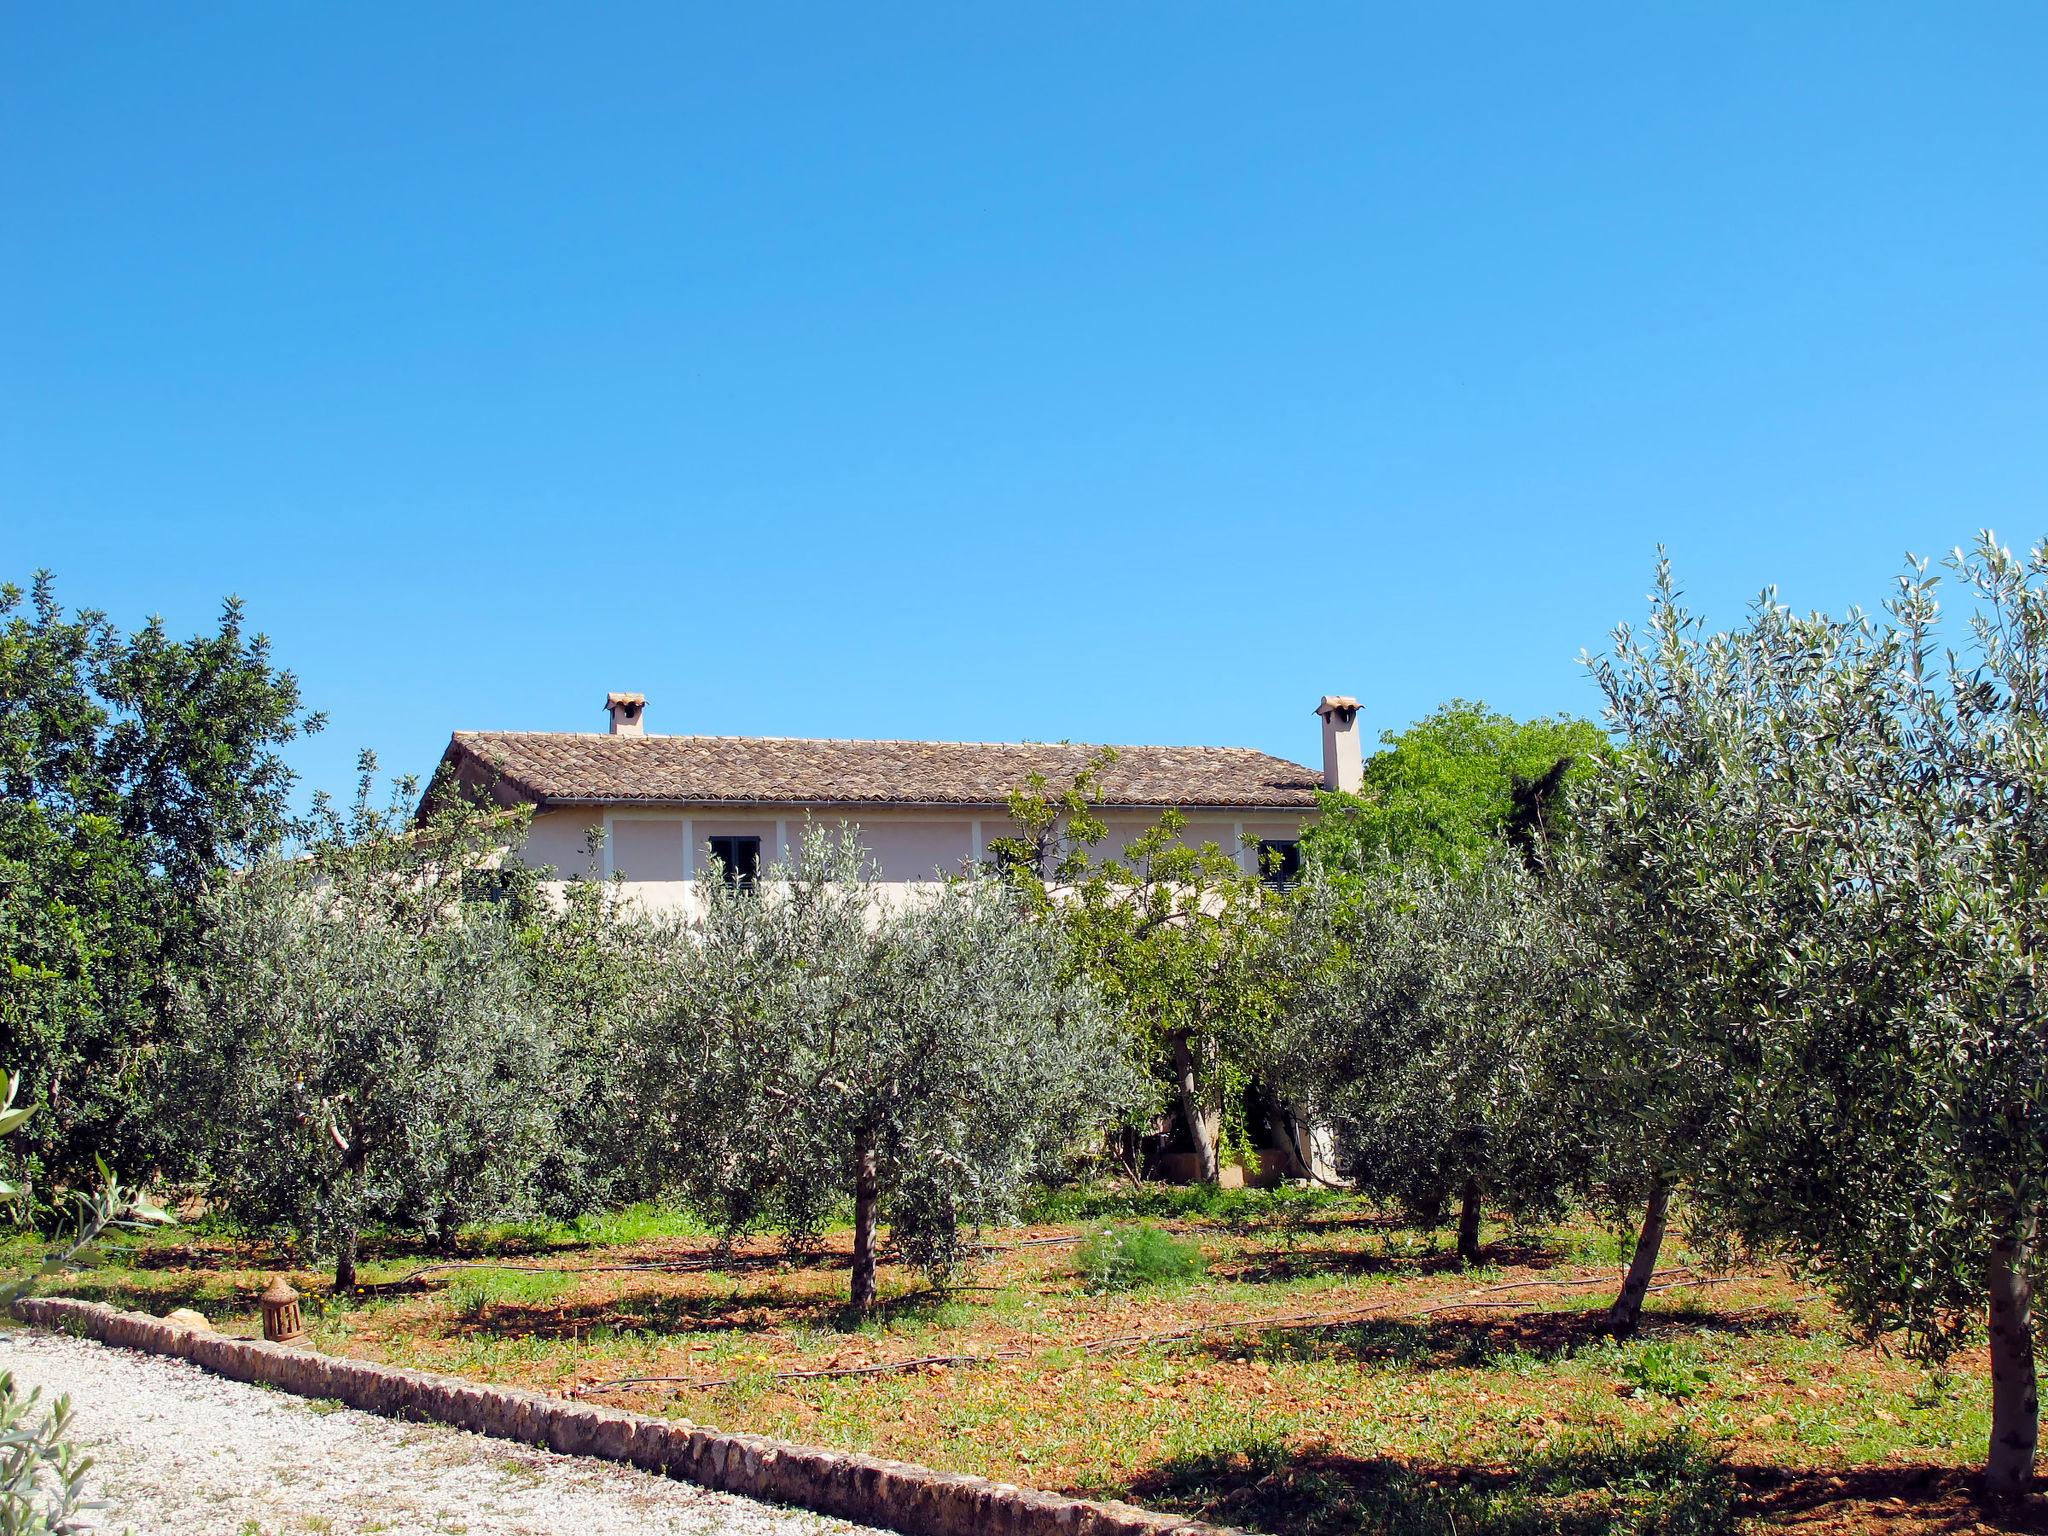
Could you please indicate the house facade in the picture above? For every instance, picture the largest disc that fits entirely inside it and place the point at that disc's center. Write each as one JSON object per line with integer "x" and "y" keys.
{"x": 653, "y": 811}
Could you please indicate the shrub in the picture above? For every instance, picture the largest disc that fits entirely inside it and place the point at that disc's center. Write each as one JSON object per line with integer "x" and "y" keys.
{"x": 1662, "y": 1370}
{"x": 1122, "y": 1258}
{"x": 42, "y": 1473}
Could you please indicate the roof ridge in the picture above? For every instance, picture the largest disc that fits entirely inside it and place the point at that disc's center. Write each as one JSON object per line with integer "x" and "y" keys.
{"x": 591, "y": 765}
{"x": 885, "y": 741}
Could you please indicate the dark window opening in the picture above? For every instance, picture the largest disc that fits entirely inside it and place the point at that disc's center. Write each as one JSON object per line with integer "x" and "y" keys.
{"x": 1280, "y": 864}
{"x": 739, "y": 859}
{"x": 481, "y": 885}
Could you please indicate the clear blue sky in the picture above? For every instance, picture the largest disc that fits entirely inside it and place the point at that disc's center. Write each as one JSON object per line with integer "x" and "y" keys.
{"x": 1130, "y": 372}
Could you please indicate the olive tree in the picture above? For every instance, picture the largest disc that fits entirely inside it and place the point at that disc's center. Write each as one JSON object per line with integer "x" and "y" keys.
{"x": 1420, "y": 1024}
{"x": 1670, "y": 877}
{"x": 1904, "y": 1089}
{"x": 367, "y": 1039}
{"x": 1849, "y": 914}
{"x": 809, "y": 1042}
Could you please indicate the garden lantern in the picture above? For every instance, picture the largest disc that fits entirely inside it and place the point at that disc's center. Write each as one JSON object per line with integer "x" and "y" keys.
{"x": 281, "y": 1322}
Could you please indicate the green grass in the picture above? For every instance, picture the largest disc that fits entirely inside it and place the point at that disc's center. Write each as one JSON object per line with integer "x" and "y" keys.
{"x": 643, "y": 1223}
{"x": 1124, "y": 1257}
{"x": 473, "y": 1291}
{"x": 638, "y": 1224}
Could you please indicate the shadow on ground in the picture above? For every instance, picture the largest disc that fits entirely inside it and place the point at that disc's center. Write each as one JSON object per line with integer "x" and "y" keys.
{"x": 1300, "y": 1263}
{"x": 212, "y": 1295}
{"x": 1673, "y": 1485}
{"x": 658, "y": 1312}
{"x": 1456, "y": 1340}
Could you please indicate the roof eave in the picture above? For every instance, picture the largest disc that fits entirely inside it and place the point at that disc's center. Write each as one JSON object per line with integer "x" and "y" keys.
{"x": 563, "y": 802}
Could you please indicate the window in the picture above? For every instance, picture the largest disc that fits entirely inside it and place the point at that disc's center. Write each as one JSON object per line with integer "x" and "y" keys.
{"x": 1280, "y": 864}
{"x": 739, "y": 859}
{"x": 485, "y": 885}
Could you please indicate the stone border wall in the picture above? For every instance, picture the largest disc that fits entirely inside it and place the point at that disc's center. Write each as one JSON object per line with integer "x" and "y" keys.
{"x": 896, "y": 1495}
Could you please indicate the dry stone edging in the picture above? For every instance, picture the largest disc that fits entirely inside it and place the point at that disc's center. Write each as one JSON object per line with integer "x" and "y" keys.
{"x": 896, "y": 1495}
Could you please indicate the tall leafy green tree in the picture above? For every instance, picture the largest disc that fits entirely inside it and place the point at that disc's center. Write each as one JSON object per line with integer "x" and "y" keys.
{"x": 809, "y": 1043}
{"x": 1449, "y": 790}
{"x": 1176, "y": 935}
{"x": 1431, "y": 1080}
{"x": 132, "y": 766}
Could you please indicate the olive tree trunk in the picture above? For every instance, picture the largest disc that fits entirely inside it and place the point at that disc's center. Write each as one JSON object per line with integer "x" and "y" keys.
{"x": 355, "y": 1154}
{"x": 345, "y": 1259}
{"x": 866, "y": 1198}
{"x": 1627, "y": 1310}
{"x": 1468, "y": 1222}
{"x": 2015, "y": 1393}
{"x": 1204, "y": 1120}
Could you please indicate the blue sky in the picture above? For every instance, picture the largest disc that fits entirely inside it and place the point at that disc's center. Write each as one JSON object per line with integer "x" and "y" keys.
{"x": 1132, "y": 372}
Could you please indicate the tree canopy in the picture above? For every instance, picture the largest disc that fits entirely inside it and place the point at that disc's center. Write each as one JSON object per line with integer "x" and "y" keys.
{"x": 1824, "y": 859}
{"x": 1452, "y": 788}
{"x": 810, "y": 1042}
{"x": 368, "y": 1039}
{"x": 1421, "y": 1025}
{"x": 1177, "y": 936}
{"x": 132, "y": 766}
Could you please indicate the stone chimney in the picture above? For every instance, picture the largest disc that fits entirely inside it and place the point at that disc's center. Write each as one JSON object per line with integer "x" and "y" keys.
{"x": 626, "y": 710}
{"x": 1343, "y": 762}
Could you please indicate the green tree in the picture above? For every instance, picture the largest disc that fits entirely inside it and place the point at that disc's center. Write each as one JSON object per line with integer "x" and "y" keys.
{"x": 367, "y": 1035}
{"x": 808, "y": 1043}
{"x": 1177, "y": 936}
{"x": 1421, "y": 1024}
{"x": 1429, "y": 1048}
{"x": 131, "y": 766}
{"x": 582, "y": 947}
{"x": 1676, "y": 887}
{"x": 1861, "y": 901}
{"x": 1451, "y": 788}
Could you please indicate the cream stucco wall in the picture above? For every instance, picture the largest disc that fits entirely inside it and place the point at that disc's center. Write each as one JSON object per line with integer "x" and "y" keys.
{"x": 656, "y": 852}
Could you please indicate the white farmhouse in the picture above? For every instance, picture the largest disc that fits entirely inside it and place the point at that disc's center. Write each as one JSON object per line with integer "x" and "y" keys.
{"x": 666, "y": 805}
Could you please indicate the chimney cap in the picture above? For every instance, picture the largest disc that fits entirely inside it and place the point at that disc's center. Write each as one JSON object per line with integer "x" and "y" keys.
{"x": 1333, "y": 702}
{"x": 626, "y": 710}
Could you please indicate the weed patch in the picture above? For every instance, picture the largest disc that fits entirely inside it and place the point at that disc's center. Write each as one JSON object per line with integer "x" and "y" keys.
{"x": 1122, "y": 1258}
{"x": 473, "y": 1291}
{"x": 1665, "y": 1370}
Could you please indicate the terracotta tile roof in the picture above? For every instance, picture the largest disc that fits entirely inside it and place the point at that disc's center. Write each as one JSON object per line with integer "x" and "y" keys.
{"x": 575, "y": 766}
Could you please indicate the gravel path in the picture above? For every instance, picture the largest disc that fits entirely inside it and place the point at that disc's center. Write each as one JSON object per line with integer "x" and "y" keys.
{"x": 182, "y": 1452}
